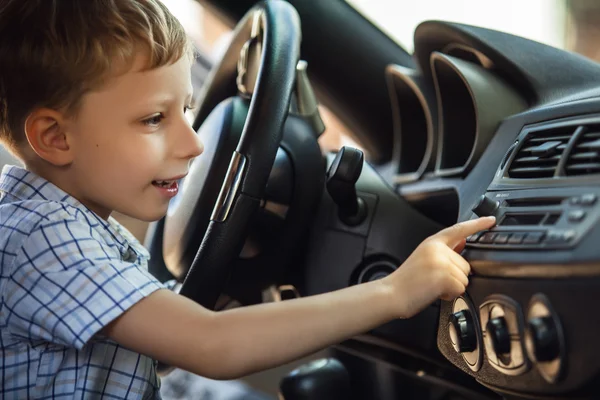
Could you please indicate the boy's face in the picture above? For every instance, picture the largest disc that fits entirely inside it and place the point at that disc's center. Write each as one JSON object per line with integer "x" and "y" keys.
{"x": 129, "y": 136}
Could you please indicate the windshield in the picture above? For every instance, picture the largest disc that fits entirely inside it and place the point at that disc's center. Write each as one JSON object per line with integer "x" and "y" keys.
{"x": 540, "y": 20}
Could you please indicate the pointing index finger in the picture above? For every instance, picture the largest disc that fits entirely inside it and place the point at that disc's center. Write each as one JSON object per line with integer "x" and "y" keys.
{"x": 454, "y": 234}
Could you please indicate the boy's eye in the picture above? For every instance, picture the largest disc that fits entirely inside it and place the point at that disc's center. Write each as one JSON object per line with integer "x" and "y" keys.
{"x": 153, "y": 120}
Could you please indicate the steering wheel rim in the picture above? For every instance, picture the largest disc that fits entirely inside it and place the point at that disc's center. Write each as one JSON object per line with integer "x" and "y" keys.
{"x": 251, "y": 162}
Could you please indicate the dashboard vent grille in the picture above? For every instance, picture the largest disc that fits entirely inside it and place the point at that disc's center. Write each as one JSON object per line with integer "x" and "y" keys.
{"x": 540, "y": 153}
{"x": 584, "y": 159}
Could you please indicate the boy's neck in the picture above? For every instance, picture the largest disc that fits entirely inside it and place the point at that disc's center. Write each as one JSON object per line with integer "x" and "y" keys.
{"x": 59, "y": 177}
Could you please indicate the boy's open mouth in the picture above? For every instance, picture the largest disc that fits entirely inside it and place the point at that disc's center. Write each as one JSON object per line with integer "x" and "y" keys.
{"x": 171, "y": 184}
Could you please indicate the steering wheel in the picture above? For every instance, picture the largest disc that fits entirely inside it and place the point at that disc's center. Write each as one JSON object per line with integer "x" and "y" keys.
{"x": 265, "y": 51}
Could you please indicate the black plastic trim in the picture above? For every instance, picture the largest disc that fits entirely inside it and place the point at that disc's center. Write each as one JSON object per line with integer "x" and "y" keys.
{"x": 415, "y": 121}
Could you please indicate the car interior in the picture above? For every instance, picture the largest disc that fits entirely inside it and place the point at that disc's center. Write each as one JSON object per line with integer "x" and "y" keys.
{"x": 473, "y": 122}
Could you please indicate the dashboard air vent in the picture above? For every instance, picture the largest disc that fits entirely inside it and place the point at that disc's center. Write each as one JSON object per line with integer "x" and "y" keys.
{"x": 584, "y": 159}
{"x": 540, "y": 153}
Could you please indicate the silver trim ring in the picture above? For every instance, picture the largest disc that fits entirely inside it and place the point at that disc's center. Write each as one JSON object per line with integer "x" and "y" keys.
{"x": 230, "y": 188}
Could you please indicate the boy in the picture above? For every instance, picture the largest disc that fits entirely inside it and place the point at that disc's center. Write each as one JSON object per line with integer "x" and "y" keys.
{"x": 92, "y": 100}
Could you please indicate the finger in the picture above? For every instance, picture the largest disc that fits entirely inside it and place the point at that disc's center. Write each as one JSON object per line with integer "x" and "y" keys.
{"x": 460, "y": 262}
{"x": 453, "y": 235}
{"x": 455, "y": 289}
{"x": 459, "y": 274}
{"x": 460, "y": 246}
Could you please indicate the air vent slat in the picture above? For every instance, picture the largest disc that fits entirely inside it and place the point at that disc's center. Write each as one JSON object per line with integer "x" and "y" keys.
{"x": 593, "y": 135}
{"x": 545, "y": 139}
{"x": 584, "y": 159}
{"x": 535, "y": 160}
{"x": 540, "y": 153}
{"x": 533, "y": 172}
{"x": 595, "y": 145}
{"x": 584, "y": 168}
{"x": 584, "y": 156}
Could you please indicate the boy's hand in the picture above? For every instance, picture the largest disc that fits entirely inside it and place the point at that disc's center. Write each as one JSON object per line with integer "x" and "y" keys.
{"x": 435, "y": 269}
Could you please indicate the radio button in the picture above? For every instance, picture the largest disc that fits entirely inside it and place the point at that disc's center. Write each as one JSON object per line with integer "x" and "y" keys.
{"x": 516, "y": 238}
{"x": 473, "y": 238}
{"x": 533, "y": 238}
{"x": 487, "y": 238}
{"x": 559, "y": 237}
{"x": 502, "y": 238}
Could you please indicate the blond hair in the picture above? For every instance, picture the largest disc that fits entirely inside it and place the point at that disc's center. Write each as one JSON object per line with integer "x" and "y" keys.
{"x": 52, "y": 52}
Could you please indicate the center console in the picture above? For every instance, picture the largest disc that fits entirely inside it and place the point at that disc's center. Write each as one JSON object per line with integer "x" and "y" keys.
{"x": 527, "y": 325}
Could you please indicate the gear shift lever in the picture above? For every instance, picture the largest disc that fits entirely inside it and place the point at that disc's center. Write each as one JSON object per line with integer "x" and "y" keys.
{"x": 341, "y": 185}
{"x": 324, "y": 379}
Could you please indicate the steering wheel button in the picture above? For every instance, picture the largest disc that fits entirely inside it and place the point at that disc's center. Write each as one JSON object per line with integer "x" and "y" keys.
{"x": 502, "y": 238}
{"x": 487, "y": 238}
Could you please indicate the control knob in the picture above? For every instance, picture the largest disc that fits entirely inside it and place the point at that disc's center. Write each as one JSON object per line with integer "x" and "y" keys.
{"x": 486, "y": 207}
{"x": 462, "y": 331}
{"x": 497, "y": 329}
{"x": 542, "y": 339}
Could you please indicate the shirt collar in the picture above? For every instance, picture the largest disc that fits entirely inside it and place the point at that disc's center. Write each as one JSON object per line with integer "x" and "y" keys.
{"x": 25, "y": 185}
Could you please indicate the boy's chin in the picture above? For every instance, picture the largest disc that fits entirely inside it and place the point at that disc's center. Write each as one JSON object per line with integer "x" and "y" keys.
{"x": 150, "y": 215}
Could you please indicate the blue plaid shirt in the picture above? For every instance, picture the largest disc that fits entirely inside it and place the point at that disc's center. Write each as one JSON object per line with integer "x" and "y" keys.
{"x": 65, "y": 273}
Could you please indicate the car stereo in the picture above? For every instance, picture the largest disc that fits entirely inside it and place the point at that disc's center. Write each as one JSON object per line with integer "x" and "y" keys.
{"x": 537, "y": 218}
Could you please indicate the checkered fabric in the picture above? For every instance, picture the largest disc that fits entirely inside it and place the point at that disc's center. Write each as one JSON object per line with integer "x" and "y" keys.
{"x": 65, "y": 273}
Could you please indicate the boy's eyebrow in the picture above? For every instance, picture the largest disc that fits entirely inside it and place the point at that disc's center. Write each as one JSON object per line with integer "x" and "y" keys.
{"x": 163, "y": 100}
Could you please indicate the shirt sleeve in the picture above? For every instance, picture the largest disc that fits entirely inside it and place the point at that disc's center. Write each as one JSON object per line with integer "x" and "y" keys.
{"x": 66, "y": 285}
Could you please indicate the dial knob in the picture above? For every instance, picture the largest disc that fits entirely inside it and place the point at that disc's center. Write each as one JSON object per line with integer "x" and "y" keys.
{"x": 498, "y": 331}
{"x": 486, "y": 207}
{"x": 542, "y": 339}
{"x": 462, "y": 331}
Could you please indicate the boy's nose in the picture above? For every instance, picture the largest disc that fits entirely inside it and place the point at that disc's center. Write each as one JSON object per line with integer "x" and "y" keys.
{"x": 190, "y": 145}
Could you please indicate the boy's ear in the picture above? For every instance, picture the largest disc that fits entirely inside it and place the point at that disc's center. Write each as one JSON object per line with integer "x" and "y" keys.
{"x": 46, "y": 133}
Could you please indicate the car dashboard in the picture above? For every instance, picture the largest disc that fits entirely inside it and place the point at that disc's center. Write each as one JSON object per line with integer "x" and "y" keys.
{"x": 486, "y": 123}
{"x": 512, "y": 130}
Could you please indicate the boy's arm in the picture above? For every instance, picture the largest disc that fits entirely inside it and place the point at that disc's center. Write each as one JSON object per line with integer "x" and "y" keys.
{"x": 237, "y": 342}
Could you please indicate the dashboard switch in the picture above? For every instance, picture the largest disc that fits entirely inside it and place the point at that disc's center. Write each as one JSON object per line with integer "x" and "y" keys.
{"x": 486, "y": 207}
{"x": 503, "y": 324}
{"x": 487, "y": 238}
{"x": 499, "y": 335}
{"x": 502, "y": 238}
{"x": 542, "y": 339}
{"x": 473, "y": 238}
{"x": 516, "y": 238}
{"x": 545, "y": 340}
{"x": 533, "y": 238}
{"x": 462, "y": 331}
